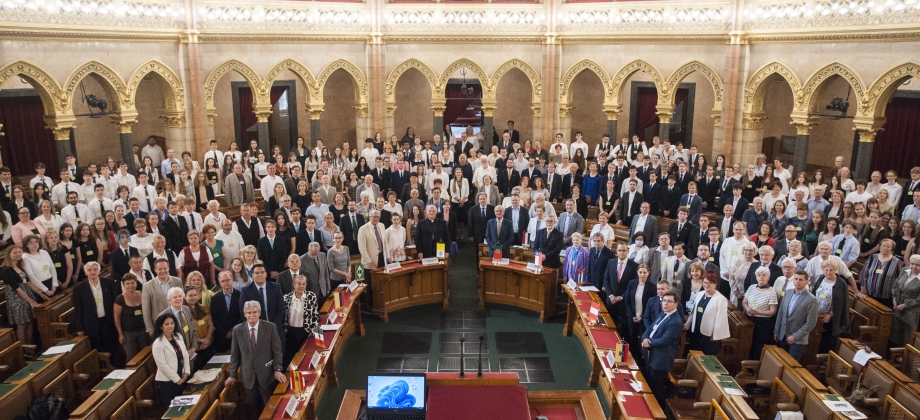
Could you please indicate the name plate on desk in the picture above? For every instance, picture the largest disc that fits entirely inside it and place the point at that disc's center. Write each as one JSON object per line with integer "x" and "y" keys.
{"x": 333, "y": 315}
{"x": 392, "y": 267}
{"x": 572, "y": 285}
{"x": 430, "y": 261}
{"x": 314, "y": 361}
{"x": 503, "y": 261}
{"x": 533, "y": 267}
{"x": 352, "y": 286}
{"x": 611, "y": 359}
{"x": 291, "y": 407}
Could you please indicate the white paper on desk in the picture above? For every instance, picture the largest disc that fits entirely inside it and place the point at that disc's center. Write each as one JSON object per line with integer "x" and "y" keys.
{"x": 840, "y": 406}
{"x": 121, "y": 374}
{"x": 332, "y": 317}
{"x": 636, "y": 385}
{"x": 314, "y": 361}
{"x": 330, "y": 327}
{"x": 58, "y": 349}
{"x": 733, "y": 391}
{"x": 586, "y": 288}
{"x": 862, "y": 357}
{"x": 572, "y": 285}
{"x": 185, "y": 400}
{"x": 291, "y": 407}
{"x": 220, "y": 358}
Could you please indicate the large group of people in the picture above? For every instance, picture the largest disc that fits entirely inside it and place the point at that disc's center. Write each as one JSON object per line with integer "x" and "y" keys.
{"x": 782, "y": 246}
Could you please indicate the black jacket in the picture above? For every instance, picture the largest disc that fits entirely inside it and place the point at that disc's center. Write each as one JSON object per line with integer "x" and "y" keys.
{"x": 174, "y": 232}
{"x": 349, "y": 232}
{"x": 129, "y": 218}
{"x": 274, "y": 258}
{"x": 550, "y": 247}
{"x": 594, "y": 273}
{"x": 121, "y": 264}
{"x": 428, "y": 236}
{"x": 477, "y": 224}
{"x": 670, "y": 200}
{"x": 224, "y": 318}
{"x": 683, "y": 236}
{"x": 504, "y": 184}
{"x": 85, "y": 319}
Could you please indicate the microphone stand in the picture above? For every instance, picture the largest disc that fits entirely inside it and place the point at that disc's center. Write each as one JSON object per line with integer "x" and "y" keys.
{"x": 462, "y": 374}
{"x": 479, "y": 373}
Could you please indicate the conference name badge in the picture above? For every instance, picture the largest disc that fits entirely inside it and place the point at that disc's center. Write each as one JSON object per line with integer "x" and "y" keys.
{"x": 90, "y": 252}
{"x": 78, "y": 220}
{"x": 216, "y": 255}
{"x": 98, "y": 300}
{"x": 45, "y": 267}
{"x": 185, "y": 328}
{"x": 798, "y": 228}
{"x": 57, "y": 265}
{"x": 147, "y": 197}
{"x": 7, "y": 195}
{"x": 878, "y": 271}
{"x": 137, "y": 312}
{"x": 821, "y": 296}
{"x": 866, "y": 240}
{"x": 230, "y": 245}
{"x": 699, "y": 309}
{"x": 753, "y": 305}
{"x": 143, "y": 250}
{"x": 201, "y": 322}
{"x": 749, "y": 186}
{"x": 911, "y": 192}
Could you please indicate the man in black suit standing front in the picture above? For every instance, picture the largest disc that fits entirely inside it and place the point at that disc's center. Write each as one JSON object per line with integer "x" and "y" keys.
{"x": 553, "y": 184}
{"x": 90, "y": 297}
{"x": 174, "y": 229}
{"x": 266, "y": 293}
{"x": 431, "y": 231}
{"x": 350, "y": 223}
{"x": 520, "y": 219}
{"x": 630, "y": 203}
{"x": 223, "y": 311}
{"x": 133, "y": 214}
{"x": 514, "y": 134}
{"x": 619, "y": 272}
{"x": 681, "y": 228}
{"x": 549, "y": 242}
{"x": 598, "y": 258}
{"x": 479, "y": 217}
{"x": 508, "y": 178}
{"x": 499, "y": 232}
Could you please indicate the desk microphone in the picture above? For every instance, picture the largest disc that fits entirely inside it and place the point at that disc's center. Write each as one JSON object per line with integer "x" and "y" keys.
{"x": 461, "y": 357}
{"x": 479, "y": 373}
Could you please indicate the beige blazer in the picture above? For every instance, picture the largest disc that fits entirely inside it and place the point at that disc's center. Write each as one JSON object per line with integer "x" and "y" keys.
{"x": 153, "y": 301}
{"x": 367, "y": 243}
{"x": 233, "y": 191}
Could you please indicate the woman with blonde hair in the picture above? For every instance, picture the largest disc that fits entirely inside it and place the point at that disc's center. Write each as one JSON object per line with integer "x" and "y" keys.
{"x": 241, "y": 277}
{"x": 21, "y": 294}
{"x": 249, "y": 257}
{"x": 195, "y": 280}
{"x": 201, "y": 314}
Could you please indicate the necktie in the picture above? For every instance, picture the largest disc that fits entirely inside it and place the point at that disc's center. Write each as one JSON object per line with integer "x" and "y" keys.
{"x": 483, "y": 212}
{"x": 252, "y": 338}
{"x": 568, "y": 219}
{"x": 498, "y": 227}
{"x": 126, "y": 253}
{"x": 661, "y": 318}
{"x": 316, "y": 266}
{"x": 183, "y": 325}
{"x": 712, "y": 249}
{"x": 379, "y": 240}
{"x": 264, "y": 302}
{"x": 66, "y": 189}
{"x": 680, "y": 227}
{"x": 620, "y": 271}
{"x": 149, "y": 207}
{"x": 676, "y": 265}
{"x": 76, "y": 214}
{"x": 192, "y": 216}
{"x": 271, "y": 242}
{"x": 354, "y": 227}
{"x": 101, "y": 209}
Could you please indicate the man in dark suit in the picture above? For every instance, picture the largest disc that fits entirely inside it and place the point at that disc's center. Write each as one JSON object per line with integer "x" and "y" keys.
{"x": 597, "y": 263}
{"x": 549, "y": 242}
{"x": 708, "y": 188}
{"x": 479, "y": 216}
{"x": 257, "y": 353}
{"x": 661, "y": 341}
{"x": 739, "y": 203}
{"x": 715, "y": 245}
{"x": 796, "y": 316}
{"x": 708, "y": 260}
{"x": 224, "y": 312}
{"x": 520, "y": 219}
{"x": 652, "y": 193}
{"x": 506, "y": 144}
{"x": 266, "y": 293}
{"x": 630, "y": 203}
{"x": 725, "y": 187}
{"x": 681, "y": 228}
{"x": 766, "y": 261}
{"x": 698, "y": 236}
{"x": 273, "y": 250}
{"x": 399, "y": 178}
{"x": 692, "y": 202}
{"x": 286, "y": 278}
{"x": 911, "y": 188}
{"x": 726, "y": 223}
{"x": 683, "y": 177}
{"x": 571, "y": 179}
{"x": 670, "y": 198}
{"x": 431, "y": 231}
{"x": 531, "y": 172}
{"x": 508, "y": 178}
{"x": 646, "y": 223}
{"x": 120, "y": 259}
{"x": 174, "y": 229}
{"x": 781, "y": 246}
{"x": 616, "y": 280}
{"x": 86, "y": 307}
{"x": 499, "y": 231}
{"x": 133, "y": 214}
{"x": 553, "y": 184}
{"x": 381, "y": 176}
{"x": 514, "y": 135}
{"x": 349, "y": 225}
{"x": 308, "y": 235}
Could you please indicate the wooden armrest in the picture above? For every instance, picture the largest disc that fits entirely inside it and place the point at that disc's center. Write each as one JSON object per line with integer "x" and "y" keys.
{"x": 144, "y": 403}
{"x": 29, "y": 350}
{"x": 701, "y": 405}
{"x": 731, "y": 340}
{"x": 867, "y": 328}
{"x": 104, "y": 362}
{"x": 847, "y": 378}
{"x": 680, "y": 362}
{"x": 821, "y": 358}
{"x": 766, "y": 383}
{"x": 750, "y": 364}
{"x": 689, "y": 383}
{"x": 227, "y": 406}
{"x": 788, "y": 407}
{"x": 5, "y": 368}
{"x": 81, "y": 377}
{"x": 873, "y": 402}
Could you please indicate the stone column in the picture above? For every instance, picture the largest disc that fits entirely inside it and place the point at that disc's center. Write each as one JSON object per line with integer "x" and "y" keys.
{"x": 315, "y": 129}
{"x": 565, "y": 126}
{"x": 437, "y": 110}
{"x": 612, "y": 114}
{"x": 60, "y": 127}
{"x": 127, "y": 143}
{"x": 537, "y": 123}
{"x": 864, "y": 154}
{"x": 750, "y": 142}
{"x": 802, "y": 130}
{"x": 488, "y": 132}
{"x": 664, "y": 126}
{"x": 1, "y": 135}
{"x": 391, "y": 123}
{"x": 363, "y": 124}
{"x": 262, "y": 113}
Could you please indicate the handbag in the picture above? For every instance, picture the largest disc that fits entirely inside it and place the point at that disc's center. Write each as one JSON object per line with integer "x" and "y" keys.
{"x": 48, "y": 407}
{"x": 861, "y": 393}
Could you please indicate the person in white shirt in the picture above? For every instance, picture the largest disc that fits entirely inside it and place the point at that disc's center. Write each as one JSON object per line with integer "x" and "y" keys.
{"x": 484, "y": 169}
{"x": 603, "y": 149}
{"x": 153, "y": 150}
{"x": 780, "y": 173}
{"x": 269, "y": 181}
{"x": 192, "y": 218}
{"x": 75, "y": 212}
{"x": 99, "y": 204}
{"x": 894, "y": 189}
{"x": 146, "y": 194}
{"x": 732, "y": 248}
{"x": 60, "y": 191}
{"x": 233, "y": 241}
{"x": 578, "y": 144}
{"x": 215, "y": 154}
{"x": 860, "y": 195}
{"x": 41, "y": 178}
{"x": 142, "y": 240}
{"x": 438, "y": 173}
{"x": 875, "y": 185}
{"x": 214, "y": 217}
{"x": 559, "y": 142}
{"x": 369, "y": 153}
{"x": 823, "y": 254}
{"x": 540, "y": 199}
{"x": 159, "y": 251}
{"x": 166, "y": 164}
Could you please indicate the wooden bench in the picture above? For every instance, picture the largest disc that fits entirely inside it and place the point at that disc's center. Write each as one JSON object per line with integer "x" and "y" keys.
{"x": 14, "y": 399}
{"x": 737, "y": 347}
{"x": 12, "y": 360}
{"x": 50, "y": 313}
{"x": 877, "y": 373}
{"x": 870, "y": 323}
{"x": 103, "y": 404}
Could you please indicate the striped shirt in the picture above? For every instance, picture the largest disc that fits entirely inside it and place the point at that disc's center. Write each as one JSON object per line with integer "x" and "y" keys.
{"x": 760, "y": 299}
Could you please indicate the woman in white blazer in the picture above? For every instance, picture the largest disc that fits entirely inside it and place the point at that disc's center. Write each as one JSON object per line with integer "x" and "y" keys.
{"x": 171, "y": 358}
{"x": 707, "y": 323}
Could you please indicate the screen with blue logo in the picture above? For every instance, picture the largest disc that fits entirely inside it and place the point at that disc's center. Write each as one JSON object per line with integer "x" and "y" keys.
{"x": 396, "y": 392}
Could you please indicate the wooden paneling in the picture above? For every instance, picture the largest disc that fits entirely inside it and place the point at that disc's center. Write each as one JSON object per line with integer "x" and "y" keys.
{"x": 411, "y": 285}
{"x": 514, "y": 285}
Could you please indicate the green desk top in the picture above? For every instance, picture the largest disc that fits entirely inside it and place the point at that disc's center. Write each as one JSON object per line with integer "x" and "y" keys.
{"x": 713, "y": 365}
{"x": 6, "y": 388}
{"x": 27, "y": 371}
{"x": 107, "y": 384}
{"x": 174, "y": 412}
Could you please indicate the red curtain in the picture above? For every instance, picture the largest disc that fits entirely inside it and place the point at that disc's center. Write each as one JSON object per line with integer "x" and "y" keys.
{"x": 646, "y": 113}
{"x": 895, "y": 146}
{"x": 247, "y": 117}
{"x": 23, "y": 122}
{"x": 456, "y": 102}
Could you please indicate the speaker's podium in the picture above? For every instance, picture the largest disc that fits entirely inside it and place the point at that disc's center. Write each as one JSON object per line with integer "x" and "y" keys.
{"x": 492, "y": 396}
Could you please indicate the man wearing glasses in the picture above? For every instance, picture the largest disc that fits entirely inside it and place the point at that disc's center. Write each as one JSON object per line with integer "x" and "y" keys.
{"x": 661, "y": 341}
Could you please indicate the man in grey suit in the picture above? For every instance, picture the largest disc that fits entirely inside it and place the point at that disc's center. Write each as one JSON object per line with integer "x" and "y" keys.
{"x": 570, "y": 222}
{"x": 256, "y": 351}
{"x": 286, "y": 278}
{"x": 368, "y": 185}
{"x": 313, "y": 263}
{"x": 645, "y": 223}
{"x": 153, "y": 297}
{"x": 187, "y": 325}
{"x": 796, "y": 316}
{"x": 238, "y": 187}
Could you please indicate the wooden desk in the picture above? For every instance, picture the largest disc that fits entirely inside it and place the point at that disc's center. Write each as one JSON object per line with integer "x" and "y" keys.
{"x": 413, "y": 284}
{"x": 49, "y": 313}
{"x": 81, "y": 347}
{"x": 14, "y": 399}
{"x": 583, "y": 404}
{"x": 38, "y": 374}
{"x": 7, "y": 337}
{"x": 514, "y": 285}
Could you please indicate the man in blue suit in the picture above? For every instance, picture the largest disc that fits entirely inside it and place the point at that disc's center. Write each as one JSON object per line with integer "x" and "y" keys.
{"x": 549, "y": 242}
{"x": 693, "y": 202}
{"x": 499, "y": 232}
{"x": 653, "y": 306}
{"x": 661, "y": 341}
{"x": 268, "y": 294}
{"x": 597, "y": 263}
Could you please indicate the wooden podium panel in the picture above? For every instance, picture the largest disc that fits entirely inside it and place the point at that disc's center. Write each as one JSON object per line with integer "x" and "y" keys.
{"x": 49, "y": 313}
{"x": 413, "y": 284}
{"x": 514, "y": 285}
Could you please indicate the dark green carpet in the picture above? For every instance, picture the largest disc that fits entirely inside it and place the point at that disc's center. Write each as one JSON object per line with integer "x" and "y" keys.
{"x": 405, "y": 345}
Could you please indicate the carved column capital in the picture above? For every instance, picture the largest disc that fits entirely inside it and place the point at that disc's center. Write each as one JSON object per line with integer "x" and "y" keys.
{"x": 753, "y": 121}
{"x": 438, "y": 109}
{"x": 867, "y": 136}
{"x": 613, "y": 112}
{"x": 565, "y": 110}
{"x": 665, "y": 112}
{"x": 173, "y": 119}
{"x": 360, "y": 111}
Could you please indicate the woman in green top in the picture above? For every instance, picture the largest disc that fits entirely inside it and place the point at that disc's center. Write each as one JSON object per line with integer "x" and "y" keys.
{"x": 196, "y": 280}
{"x": 215, "y": 246}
